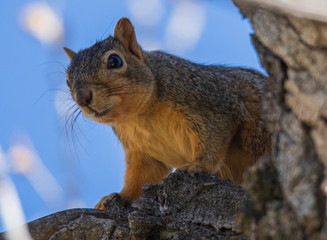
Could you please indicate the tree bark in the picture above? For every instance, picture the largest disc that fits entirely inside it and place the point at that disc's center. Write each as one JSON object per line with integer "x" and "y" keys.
{"x": 308, "y": 9}
{"x": 294, "y": 52}
{"x": 185, "y": 206}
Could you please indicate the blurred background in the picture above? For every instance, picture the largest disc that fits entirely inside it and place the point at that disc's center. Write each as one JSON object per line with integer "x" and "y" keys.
{"x": 50, "y": 158}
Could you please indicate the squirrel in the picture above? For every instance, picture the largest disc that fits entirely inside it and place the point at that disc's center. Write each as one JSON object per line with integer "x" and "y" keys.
{"x": 169, "y": 112}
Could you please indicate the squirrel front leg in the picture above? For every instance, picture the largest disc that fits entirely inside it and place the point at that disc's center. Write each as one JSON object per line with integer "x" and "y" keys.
{"x": 210, "y": 158}
{"x": 140, "y": 169}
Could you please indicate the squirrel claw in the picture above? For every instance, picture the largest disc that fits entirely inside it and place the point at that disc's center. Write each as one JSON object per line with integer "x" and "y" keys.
{"x": 191, "y": 168}
{"x": 101, "y": 204}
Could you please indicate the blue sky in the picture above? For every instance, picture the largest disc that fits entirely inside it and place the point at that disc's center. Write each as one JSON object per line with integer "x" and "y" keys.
{"x": 89, "y": 163}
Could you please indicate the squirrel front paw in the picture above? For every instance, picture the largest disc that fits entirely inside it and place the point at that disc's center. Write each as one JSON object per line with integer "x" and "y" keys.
{"x": 191, "y": 168}
{"x": 101, "y": 204}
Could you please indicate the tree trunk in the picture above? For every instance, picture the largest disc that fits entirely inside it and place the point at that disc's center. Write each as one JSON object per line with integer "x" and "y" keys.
{"x": 294, "y": 52}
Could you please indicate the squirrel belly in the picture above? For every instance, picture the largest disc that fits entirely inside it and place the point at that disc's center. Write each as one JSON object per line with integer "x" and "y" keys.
{"x": 169, "y": 112}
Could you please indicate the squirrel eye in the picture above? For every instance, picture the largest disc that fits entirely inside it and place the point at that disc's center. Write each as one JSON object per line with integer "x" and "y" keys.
{"x": 114, "y": 61}
{"x": 68, "y": 83}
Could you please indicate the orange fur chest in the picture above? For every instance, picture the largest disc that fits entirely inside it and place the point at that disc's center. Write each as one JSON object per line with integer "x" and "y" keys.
{"x": 162, "y": 134}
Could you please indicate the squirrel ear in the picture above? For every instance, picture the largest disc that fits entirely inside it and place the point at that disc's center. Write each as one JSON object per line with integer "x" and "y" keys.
{"x": 124, "y": 32}
{"x": 70, "y": 53}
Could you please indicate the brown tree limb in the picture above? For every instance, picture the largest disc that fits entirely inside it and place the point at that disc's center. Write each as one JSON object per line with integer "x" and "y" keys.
{"x": 185, "y": 206}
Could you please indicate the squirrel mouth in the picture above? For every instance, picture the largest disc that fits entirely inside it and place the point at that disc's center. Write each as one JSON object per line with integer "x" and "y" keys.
{"x": 97, "y": 114}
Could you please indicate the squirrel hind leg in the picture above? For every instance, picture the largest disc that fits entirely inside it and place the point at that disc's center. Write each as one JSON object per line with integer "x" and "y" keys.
{"x": 221, "y": 170}
{"x": 237, "y": 161}
{"x": 252, "y": 142}
{"x": 208, "y": 163}
{"x": 191, "y": 168}
{"x": 255, "y": 138}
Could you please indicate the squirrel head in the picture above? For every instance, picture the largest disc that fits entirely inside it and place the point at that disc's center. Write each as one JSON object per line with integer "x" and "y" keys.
{"x": 110, "y": 81}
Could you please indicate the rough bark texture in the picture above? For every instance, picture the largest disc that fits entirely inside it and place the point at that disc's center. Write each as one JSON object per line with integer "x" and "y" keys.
{"x": 309, "y": 9}
{"x": 288, "y": 187}
{"x": 185, "y": 206}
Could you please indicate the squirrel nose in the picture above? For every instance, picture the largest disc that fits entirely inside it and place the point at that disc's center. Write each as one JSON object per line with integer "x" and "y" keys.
{"x": 83, "y": 97}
